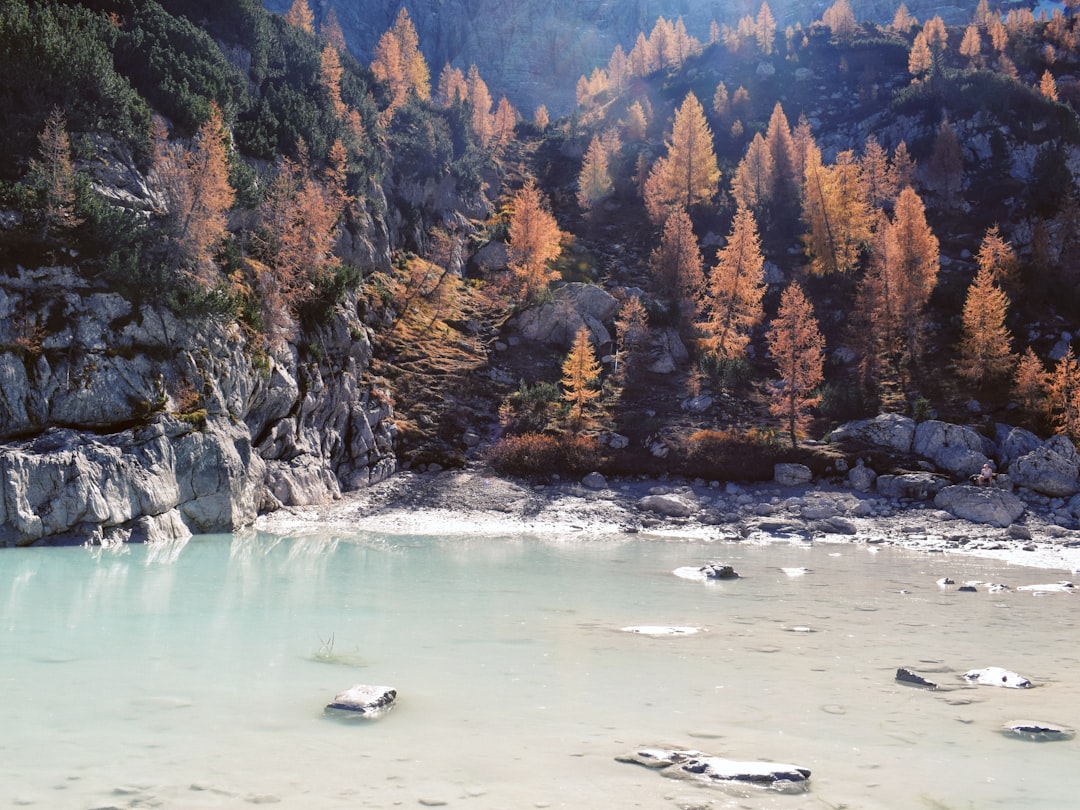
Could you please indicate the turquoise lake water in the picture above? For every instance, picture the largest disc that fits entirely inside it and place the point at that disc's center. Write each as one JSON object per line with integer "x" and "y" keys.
{"x": 195, "y": 675}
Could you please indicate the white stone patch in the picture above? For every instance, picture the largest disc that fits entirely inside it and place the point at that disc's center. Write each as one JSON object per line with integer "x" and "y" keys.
{"x": 661, "y": 630}
{"x": 997, "y": 676}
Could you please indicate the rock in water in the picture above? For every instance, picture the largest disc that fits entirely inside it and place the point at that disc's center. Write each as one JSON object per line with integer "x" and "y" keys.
{"x": 695, "y": 765}
{"x": 997, "y": 676}
{"x": 370, "y": 701}
{"x": 1037, "y": 731}
{"x": 905, "y": 675}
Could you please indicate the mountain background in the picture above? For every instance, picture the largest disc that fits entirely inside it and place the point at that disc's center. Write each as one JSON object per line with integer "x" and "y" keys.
{"x": 533, "y": 51}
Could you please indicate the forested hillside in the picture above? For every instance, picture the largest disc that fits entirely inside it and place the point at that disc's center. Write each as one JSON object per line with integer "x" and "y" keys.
{"x": 741, "y": 236}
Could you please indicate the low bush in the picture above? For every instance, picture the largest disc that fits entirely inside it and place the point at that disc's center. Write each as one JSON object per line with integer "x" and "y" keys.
{"x": 732, "y": 455}
{"x": 543, "y": 454}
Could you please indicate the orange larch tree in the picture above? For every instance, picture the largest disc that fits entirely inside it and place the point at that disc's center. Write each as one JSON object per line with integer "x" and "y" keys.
{"x": 985, "y": 354}
{"x": 688, "y": 174}
{"x": 798, "y": 349}
{"x": 677, "y": 265}
{"x": 736, "y": 285}
{"x": 1063, "y": 396}
{"x": 480, "y": 100}
{"x": 452, "y": 86}
{"x": 502, "y": 124}
{"x": 330, "y": 30}
{"x": 751, "y": 185}
{"x": 1029, "y": 383}
{"x": 580, "y": 378}
{"x": 54, "y": 175}
{"x": 595, "y": 181}
{"x": 912, "y": 262}
{"x": 330, "y": 72}
{"x": 534, "y": 241}
{"x": 194, "y": 184}
{"x": 836, "y": 214}
{"x": 301, "y": 16}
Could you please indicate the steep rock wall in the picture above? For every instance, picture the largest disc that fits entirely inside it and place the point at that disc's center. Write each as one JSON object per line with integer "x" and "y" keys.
{"x": 121, "y": 420}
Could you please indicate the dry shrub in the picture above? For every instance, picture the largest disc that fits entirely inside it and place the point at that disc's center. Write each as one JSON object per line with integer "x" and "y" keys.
{"x": 732, "y": 455}
{"x": 543, "y": 454}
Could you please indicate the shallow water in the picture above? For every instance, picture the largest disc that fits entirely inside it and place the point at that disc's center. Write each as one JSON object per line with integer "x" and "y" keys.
{"x": 195, "y": 675}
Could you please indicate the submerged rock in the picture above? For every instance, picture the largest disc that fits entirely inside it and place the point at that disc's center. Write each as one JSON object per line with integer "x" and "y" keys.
{"x": 700, "y": 767}
{"x": 370, "y": 701}
{"x": 1037, "y": 731}
{"x": 997, "y": 676}
{"x": 905, "y": 675}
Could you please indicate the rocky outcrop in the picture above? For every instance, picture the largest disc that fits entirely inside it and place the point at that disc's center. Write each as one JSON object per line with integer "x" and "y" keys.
{"x": 957, "y": 449}
{"x": 122, "y": 419}
{"x": 889, "y": 430}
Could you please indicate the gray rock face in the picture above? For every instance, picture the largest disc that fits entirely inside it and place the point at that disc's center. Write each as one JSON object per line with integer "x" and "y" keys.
{"x": 192, "y": 429}
{"x": 989, "y": 505}
{"x": 1013, "y": 442}
{"x": 861, "y": 477}
{"x": 955, "y": 448}
{"x": 1052, "y": 469}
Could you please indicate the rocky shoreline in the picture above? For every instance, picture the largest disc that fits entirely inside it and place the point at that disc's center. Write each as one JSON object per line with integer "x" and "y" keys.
{"x": 478, "y": 501}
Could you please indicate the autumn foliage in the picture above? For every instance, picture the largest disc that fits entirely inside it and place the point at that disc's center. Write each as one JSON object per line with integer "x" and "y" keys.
{"x": 798, "y": 350}
{"x": 534, "y": 242}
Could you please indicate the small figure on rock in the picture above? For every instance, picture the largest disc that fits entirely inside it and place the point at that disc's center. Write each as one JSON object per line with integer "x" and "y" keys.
{"x": 986, "y": 477}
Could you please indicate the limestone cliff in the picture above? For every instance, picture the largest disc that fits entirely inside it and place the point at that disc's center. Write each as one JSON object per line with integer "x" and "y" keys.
{"x": 124, "y": 421}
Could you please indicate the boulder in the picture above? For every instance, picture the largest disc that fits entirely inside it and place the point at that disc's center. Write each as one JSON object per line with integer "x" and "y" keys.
{"x": 861, "y": 477}
{"x": 700, "y": 767}
{"x": 996, "y": 676}
{"x": 1052, "y": 469}
{"x": 669, "y": 505}
{"x": 980, "y": 504}
{"x": 957, "y": 449}
{"x": 892, "y": 431}
{"x": 1013, "y": 442}
{"x": 572, "y": 306}
{"x": 666, "y": 350}
{"x": 792, "y": 475}
{"x": 915, "y": 486}
{"x": 363, "y": 699}
{"x": 594, "y": 480}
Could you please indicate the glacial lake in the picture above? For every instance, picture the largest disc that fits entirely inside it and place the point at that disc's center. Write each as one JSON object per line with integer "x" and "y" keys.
{"x": 195, "y": 675}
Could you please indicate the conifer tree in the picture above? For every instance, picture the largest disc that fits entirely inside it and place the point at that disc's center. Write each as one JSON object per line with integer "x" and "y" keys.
{"x": 300, "y": 16}
{"x": 1048, "y": 86}
{"x": 985, "y": 353}
{"x": 534, "y": 241}
{"x": 971, "y": 46}
{"x": 639, "y": 58}
{"x": 721, "y": 103}
{"x": 903, "y": 22}
{"x": 1063, "y": 396}
{"x": 784, "y": 183}
{"x": 1029, "y": 382}
{"x": 836, "y": 214}
{"x": 618, "y": 69}
{"x": 636, "y": 122}
{"x": 902, "y": 168}
{"x": 751, "y": 186}
{"x": 841, "y": 20}
{"x": 594, "y": 182}
{"x": 947, "y": 164}
{"x": 798, "y": 349}
{"x": 414, "y": 66}
{"x": 998, "y": 258}
{"x": 736, "y": 286}
{"x": 912, "y": 262}
{"x": 54, "y": 175}
{"x": 765, "y": 29}
{"x": 677, "y": 263}
{"x": 541, "y": 119}
{"x": 194, "y": 183}
{"x": 330, "y": 72}
{"x": 502, "y": 124}
{"x": 920, "y": 59}
{"x": 452, "y": 86}
{"x": 632, "y": 331}
{"x": 480, "y": 101}
{"x": 330, "y": 30}
{"x": 580, "y": 377}
{"x": 878, "y": 187}
{"x": 689, "y": 173}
